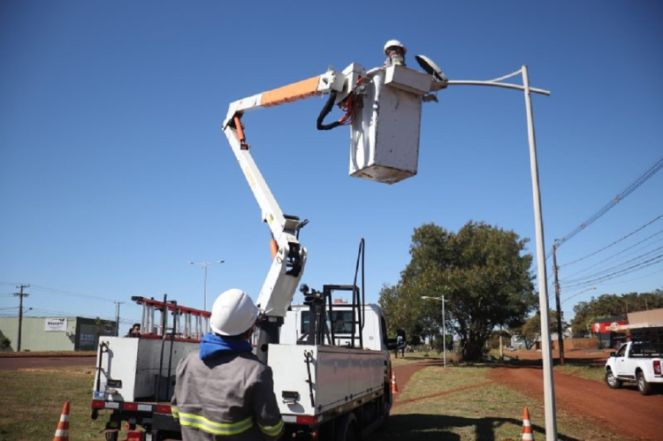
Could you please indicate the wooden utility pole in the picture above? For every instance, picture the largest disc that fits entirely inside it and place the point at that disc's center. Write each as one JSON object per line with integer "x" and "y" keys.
{"x": 20, "y": 295}
{"x": 560, "y": 332}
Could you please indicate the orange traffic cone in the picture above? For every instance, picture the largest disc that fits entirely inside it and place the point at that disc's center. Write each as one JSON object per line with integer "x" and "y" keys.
{"x": 394, "y": 385}
{"x": 528, "y": 435}
{"x": 62, "y": 431}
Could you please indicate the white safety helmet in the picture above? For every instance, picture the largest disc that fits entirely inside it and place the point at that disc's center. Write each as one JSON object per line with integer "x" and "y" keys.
{"x": 394, "y": 43}
{"x": 233, "y": 313}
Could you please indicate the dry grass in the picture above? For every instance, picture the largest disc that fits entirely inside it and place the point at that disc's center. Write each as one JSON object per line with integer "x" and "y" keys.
{"x": 455, "y": 403}
{"x": 595, "y": 373}
{"x": 32, "y": 399}
{"x": 460, "y": 403}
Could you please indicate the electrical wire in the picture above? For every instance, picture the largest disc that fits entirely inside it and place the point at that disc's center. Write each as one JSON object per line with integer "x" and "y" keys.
{"x": 614, "y": 201}
{"x": 617, "y": 266}
{"x": 640, "y": 228}
{"x": 612, "y": 256}
{"x": 72, "y": 293}
{"x": 636, "y": 267}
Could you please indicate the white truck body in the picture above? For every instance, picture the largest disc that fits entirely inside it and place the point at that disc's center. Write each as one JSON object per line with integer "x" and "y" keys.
{"x": 333, "y": 377}
{"x": 635, "y": 361}
{"x": 313, "y": 384}
{"x": 295, "y": 326}
{"x": 132, "y": 366}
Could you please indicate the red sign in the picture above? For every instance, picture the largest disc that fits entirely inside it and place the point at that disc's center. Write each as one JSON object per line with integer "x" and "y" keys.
{"x": 607, "y": 327}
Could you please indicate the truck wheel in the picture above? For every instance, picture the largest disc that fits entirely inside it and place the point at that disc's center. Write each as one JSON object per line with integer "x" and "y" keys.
{"x": 111, "y": 435}
{"x": 643, "y": 386}
{"x": 347, "y": 428}
{"x": 612, "y": 381}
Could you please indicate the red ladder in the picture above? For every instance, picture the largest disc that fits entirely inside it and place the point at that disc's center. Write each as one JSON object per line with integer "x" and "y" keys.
{"x": 188, "y": 324}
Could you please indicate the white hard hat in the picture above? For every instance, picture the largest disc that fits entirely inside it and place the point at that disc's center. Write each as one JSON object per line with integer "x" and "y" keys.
{"x": 394, "y": 43}
{"x": 233, "y": 313}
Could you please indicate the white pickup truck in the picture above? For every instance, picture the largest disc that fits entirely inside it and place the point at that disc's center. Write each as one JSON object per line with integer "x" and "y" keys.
{"x": 635, "y": 361}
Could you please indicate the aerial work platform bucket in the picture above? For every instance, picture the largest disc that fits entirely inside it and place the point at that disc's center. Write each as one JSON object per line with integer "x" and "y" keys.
{"x": 385, "y": 129}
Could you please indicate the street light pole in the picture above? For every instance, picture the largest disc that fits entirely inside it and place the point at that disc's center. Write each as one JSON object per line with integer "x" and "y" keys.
{"x": 444, "y": 327}
{"x": 548, "y": 384}
{"x": 204, "y": 266}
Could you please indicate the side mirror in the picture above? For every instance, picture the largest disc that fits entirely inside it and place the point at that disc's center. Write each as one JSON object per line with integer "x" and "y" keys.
{"x": 391, "y": 344}
{"x": 613, "y": 354}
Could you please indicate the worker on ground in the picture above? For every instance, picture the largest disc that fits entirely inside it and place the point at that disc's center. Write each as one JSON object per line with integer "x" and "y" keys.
{"x": 224, "y": 392}
{"x": 400, "y": 342}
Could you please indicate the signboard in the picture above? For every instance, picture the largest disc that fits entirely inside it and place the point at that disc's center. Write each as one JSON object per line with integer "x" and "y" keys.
{"x": 607, "y": 327}
{"x": 57, "y": 324}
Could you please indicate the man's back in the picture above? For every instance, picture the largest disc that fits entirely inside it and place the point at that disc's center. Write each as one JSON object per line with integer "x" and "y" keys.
{"x": 228, "y": 395}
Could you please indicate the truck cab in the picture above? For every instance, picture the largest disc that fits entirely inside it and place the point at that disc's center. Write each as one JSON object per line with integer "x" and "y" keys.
{"x": 296, "y": 326}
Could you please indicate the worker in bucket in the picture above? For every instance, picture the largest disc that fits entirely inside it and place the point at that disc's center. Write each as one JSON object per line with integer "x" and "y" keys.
{"x": 224, "y": 391}
{"x": 395, "y": 52}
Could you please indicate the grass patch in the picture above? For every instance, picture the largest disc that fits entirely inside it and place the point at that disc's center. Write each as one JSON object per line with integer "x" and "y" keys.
{"x": 32, "y": 399}
{"x": 460, "y": 403}
{"x": 595, "y": 373}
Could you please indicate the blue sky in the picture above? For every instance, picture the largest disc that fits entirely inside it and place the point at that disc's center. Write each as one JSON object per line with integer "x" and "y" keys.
{"x": 114, "y": 174}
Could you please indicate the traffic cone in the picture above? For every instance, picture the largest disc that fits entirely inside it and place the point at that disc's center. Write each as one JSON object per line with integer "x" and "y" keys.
{"x": 62, "y": 431}
{"x": 528, "y": 435}
{"x": 394, "y": 385}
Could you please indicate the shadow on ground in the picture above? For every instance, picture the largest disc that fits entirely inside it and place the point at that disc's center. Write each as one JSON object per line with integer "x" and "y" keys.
{"x": 422, "y": 427}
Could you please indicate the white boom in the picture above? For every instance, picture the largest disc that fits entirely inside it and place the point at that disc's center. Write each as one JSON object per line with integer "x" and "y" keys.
{"x": 392, "y": 94}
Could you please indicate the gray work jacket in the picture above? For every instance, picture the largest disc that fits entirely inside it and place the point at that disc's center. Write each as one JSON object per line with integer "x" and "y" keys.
{"x": 228, "y": 397}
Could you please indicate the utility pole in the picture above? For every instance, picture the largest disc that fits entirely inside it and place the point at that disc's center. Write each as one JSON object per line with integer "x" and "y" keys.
{"x": 20, "y": 296}
{"x": 560, "y": 335}
{"x": 117, "y": 317}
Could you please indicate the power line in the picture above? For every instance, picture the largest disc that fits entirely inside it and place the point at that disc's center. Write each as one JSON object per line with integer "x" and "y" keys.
{"x": 612, "y": 256}
{"x": 74, "y": 294}
{"x": 613, "y": 243}
{"x": 616, "y": 267}
{"x": 614, "y": 201}
{"x": 636, "y": 267}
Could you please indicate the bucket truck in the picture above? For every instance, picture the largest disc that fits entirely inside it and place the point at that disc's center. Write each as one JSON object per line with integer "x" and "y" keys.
{"x": 331, "y": 365}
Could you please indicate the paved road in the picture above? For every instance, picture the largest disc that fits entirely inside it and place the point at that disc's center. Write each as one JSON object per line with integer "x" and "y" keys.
{"x": 14, "y": 363}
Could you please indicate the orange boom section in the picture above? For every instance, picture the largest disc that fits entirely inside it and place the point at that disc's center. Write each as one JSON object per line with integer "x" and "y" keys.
{"x": 291, "y": 92}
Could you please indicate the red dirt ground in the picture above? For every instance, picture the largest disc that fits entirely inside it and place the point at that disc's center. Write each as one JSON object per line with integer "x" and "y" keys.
{"x": 624, "y": 411}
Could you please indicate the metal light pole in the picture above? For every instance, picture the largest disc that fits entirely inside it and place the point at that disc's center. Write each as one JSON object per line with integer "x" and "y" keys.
{"x": 204, "y": 266}
{"x": 444, "y": 328}
{"x": 548, "y": 384}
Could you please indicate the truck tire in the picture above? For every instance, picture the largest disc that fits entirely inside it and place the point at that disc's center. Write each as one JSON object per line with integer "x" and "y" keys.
{"x": 347, "y": 428}
{"x": 644, "y": 387}
{"x": 611, "y": 380}
{"x": 111, "y": 435}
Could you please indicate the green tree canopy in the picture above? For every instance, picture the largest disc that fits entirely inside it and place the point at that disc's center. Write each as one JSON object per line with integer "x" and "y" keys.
{"x": 611, "y": 305}
{"x": 481, "y": 271}
{"x": 531, "y": 330}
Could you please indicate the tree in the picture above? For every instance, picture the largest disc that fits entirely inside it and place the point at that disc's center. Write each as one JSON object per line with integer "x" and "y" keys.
{"x": 481, "y": 271}
{"x": 612, "y": 305}
{"x": 403, "y": 310}
{"x": 531, "y": 330}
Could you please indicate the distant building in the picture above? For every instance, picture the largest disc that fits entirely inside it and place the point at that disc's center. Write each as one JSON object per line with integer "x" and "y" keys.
{"x": 56, "y": 333}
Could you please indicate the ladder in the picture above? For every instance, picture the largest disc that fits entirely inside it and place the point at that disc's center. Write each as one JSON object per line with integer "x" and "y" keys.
{"x": 186, "y": 324}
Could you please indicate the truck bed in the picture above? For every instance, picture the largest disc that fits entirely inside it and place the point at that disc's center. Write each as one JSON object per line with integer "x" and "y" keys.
{"x": 311, "y": 379}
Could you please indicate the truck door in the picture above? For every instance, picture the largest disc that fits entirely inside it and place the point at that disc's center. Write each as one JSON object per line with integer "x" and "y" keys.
{"x": 621, "y": 367}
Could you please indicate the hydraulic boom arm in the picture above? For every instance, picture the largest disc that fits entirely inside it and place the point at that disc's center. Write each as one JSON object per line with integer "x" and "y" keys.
{"x": 289, "y": 257}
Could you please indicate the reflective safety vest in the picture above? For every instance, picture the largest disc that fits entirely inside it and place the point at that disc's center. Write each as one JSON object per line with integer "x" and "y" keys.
{"x": 229, "y": 397}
